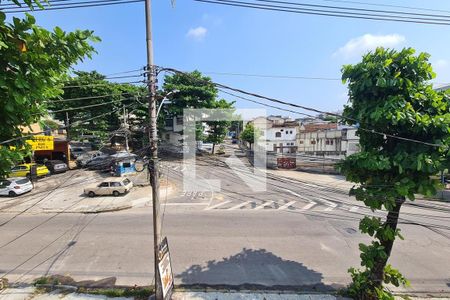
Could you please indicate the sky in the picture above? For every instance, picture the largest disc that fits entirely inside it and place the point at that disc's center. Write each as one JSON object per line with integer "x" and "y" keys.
{"x": 221, "y": 39}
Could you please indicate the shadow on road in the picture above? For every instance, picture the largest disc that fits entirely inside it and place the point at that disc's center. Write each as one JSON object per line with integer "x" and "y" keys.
{"x": 255, "y": 269}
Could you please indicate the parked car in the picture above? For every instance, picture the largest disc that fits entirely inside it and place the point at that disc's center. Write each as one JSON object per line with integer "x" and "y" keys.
{"x": 15, "y": 186}
{"x": 77, "y": 151}
{"x": 56, "y": 166}
{"x": 24, "y": 170}
{"x": 101, "y": 163}
{"x": 112, "y": 186}
{"x": 85, "y": 157}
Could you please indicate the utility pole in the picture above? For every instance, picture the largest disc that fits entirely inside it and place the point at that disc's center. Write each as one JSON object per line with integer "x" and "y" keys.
{"x": 153, "y": 139}
{"x": 67, "y": 126}
{"x": 125, "y": 128}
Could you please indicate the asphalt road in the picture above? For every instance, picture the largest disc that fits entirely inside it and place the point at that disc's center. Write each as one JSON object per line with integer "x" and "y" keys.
{"x": 294, "y": 234}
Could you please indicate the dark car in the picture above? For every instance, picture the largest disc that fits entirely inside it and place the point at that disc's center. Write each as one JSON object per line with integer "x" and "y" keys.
{"x": 84, "y": 158}
{"x": 56, "y": 166}
{"x": 101, "y": 163}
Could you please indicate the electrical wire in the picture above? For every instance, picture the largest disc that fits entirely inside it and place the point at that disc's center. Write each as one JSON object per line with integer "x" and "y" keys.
{"x": 323, "y": 12}
{"x": 77, "y": 5}
{"x": 267, "y": 105}
{"x": 85, "y": 98}
{"x": 388, "y": 5}
{"x": 64, "y": 127}
{"x": 87, "y": 106}
{"x": 218, "y": 85}
{"x": 100, "y": 84}
{"x": 352, "y": 9}
{"x": 124, "y": 72}
{"x": 274, "y": 76}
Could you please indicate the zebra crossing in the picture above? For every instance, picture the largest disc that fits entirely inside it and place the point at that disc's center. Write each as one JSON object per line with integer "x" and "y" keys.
{"x": 284, "y": 205}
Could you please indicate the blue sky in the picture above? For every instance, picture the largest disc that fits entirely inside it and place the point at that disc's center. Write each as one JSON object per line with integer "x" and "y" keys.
{"x": 214, "y": 38}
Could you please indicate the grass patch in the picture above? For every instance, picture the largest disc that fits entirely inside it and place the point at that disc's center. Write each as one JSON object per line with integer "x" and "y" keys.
{"x": 135, "y": 292}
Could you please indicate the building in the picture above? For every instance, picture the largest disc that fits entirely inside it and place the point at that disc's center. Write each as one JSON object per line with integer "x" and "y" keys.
{"x": 327, "y": 140}
{"x": 61, "y": 148}
{"x": 278, "y": 133}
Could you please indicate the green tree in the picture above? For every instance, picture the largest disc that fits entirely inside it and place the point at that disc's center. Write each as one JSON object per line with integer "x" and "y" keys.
{"x": 102, "y": 119}
{"x": 194, "y": 91}
{"x": 218, "y": 129}
{"x": 389, "y": 92}
{"x": 250, "y": 134}
{"x": 33, "y": 63}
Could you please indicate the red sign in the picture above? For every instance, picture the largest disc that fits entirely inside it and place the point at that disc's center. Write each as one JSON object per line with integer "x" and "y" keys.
{"x": 286, "y": 163}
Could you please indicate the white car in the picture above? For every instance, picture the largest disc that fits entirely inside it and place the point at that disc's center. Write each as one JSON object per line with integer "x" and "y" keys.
{"x": 112, "y": 186}
{"x": 15, "y": 186}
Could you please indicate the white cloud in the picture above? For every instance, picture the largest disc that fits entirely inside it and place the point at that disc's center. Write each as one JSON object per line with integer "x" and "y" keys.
{"x": 197, "y": 33}
{"x": 360, "y": 45}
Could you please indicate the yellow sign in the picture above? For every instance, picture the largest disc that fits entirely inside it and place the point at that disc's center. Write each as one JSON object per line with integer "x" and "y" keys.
{"x": 41, "y": 142}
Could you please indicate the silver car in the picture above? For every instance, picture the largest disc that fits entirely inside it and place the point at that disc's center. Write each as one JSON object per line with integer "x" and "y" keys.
{"x": 15, "y": 186}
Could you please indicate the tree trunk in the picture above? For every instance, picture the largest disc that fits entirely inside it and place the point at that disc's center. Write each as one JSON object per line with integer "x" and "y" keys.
{"x": 391, "y": 221}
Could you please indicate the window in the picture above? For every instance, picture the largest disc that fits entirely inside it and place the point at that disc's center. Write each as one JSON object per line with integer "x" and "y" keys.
{"x": 281, "y": 129}
{"x": 169, "y": 122}
{"x": 179, "y": 120}
{"x": 331, "y": 142}
{"x": 126, "y": 164}
{"x": 115, "y": 184}
{"x": 126, "y": 181}
{"x": 4, "y": 184}
{"x": 301, "y": 142}
{"x": 327, "y": 142}
{"x": 290, "y": 132}
{"x": 278, "y": 134}
{"x": 104, "y": 184}
{"x": 313, "y": 142}
{"x": 23, "y": 181}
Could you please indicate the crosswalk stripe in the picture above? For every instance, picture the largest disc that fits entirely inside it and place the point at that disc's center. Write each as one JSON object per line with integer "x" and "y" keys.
{"x": 308, "y": 206}
{"x": 217, "y": 205}
{"x": 331, "y": 206}
{"x": 286, "y": 205}
{"x": 354, "y": 208}
{"x": 264, "y": 204}
{"x": 239, "y": 205}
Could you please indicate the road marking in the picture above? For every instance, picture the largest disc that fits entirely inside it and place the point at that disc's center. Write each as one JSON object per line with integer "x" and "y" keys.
{"x": 264, "y": 204}
{"x": 331, "y": 206}
{"x": 185, "y": 203}
{"x": 286, "y": 205}
{"x": 217, "y": 205}
{"x": 240, "y": 205}
{"x": 354, "y": 208}
{"x": 308, "y": 206}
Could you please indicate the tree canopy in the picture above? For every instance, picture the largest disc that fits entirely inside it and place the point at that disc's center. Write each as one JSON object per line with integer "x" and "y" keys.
{"x": 103, "y": 100}
{"x": 390, "y": 93}
{"x": 33, "y": 62}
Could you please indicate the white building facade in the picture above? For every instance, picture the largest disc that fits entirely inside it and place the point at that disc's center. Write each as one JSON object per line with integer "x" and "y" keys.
{"x": 278, "y": 133}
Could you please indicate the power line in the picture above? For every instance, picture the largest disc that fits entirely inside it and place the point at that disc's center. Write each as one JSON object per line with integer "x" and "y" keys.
{"x": 64, "y": 127}
{"x": 85, "y": 98}
{"x": 218, "y": 85}
{"x": 264, "y": 104}
{"x": 101, "y": 84}
{"x": 322, "y": 12}
{"x": 273, "y": 76}
{"x": 77, "y": 5}
{"x": 124, "y": 72}
{"x": 349, "y": 8}
{"x": 89, "y": 106}
{"x": 388, "y": 5}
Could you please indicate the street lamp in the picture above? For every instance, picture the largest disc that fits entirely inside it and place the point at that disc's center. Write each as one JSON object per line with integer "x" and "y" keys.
{"x": 165, "y": 100}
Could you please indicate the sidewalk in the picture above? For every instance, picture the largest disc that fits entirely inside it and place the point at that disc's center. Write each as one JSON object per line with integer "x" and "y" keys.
{"x": 328, "y": 180}
{"x": 31, "y": 293}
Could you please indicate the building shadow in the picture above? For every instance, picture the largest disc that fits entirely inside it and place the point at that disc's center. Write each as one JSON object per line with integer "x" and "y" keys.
{"x": 254, "y": 269}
